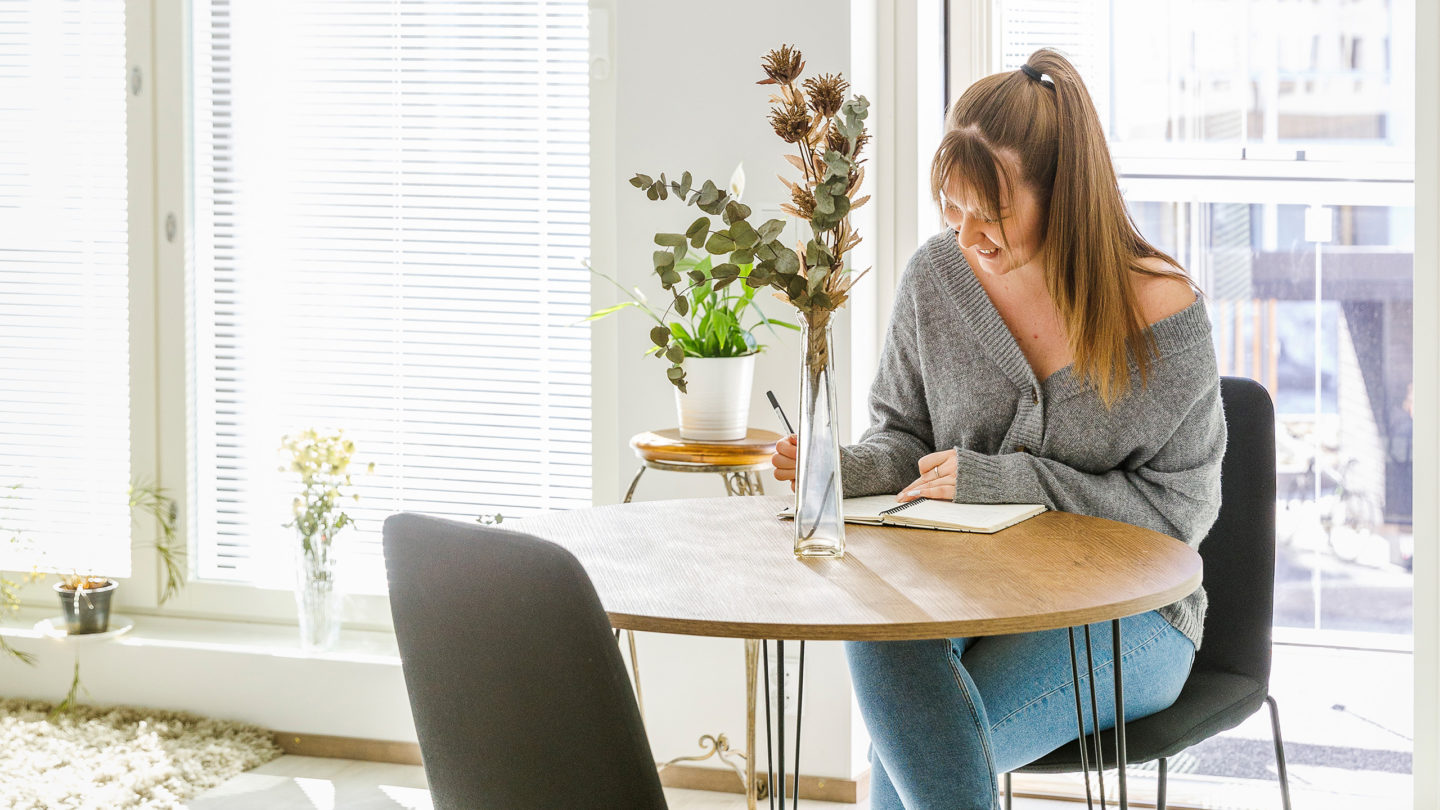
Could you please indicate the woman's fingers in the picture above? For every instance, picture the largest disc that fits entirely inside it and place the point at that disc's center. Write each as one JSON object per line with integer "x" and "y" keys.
{"x": 786, "y": 454}
{"x": 937, "y": 476}
{"x": 943, "y": 490}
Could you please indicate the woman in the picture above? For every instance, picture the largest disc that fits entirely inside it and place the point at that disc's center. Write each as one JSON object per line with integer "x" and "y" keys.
{"x": 1040, "y": 351}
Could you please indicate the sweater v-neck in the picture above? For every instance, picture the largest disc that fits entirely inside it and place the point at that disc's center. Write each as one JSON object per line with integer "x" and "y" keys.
{"x": 1172, "y": 334}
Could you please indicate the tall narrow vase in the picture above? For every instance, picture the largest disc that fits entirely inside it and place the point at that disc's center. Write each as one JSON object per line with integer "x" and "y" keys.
{"x": 316, "y": 598}
{"x": 819, "y": 522}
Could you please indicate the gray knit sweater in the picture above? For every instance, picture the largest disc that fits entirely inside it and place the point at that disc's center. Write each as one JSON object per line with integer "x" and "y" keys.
{"x": 951, "y": 375}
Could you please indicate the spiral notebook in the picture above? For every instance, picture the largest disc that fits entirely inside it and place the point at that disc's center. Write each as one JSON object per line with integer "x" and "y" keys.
{"x": 923, "y": 513}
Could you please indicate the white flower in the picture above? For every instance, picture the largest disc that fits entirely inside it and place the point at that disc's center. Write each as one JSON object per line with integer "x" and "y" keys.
{"x": 737, "y": 181}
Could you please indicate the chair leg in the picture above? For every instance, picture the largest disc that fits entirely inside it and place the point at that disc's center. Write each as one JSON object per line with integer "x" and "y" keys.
{"x": 1160, "y": 792}
{"x": 1007, "y": 792}
{"x": 1279, "y": 752}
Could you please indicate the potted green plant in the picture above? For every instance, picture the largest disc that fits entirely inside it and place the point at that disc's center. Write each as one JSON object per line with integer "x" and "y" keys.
{"x": 85, "y": 598}
{"x": 709, "y": 329}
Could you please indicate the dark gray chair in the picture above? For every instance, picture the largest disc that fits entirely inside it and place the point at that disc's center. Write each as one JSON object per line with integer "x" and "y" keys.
{"x": 518, "y": 690}
{"x": 1231, "y": 677}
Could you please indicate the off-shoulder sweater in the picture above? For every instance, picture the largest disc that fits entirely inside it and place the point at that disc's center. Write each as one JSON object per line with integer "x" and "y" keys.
{"x": 952, "y": 375}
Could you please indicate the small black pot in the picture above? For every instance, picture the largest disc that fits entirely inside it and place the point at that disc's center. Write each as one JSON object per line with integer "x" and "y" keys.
{"x": 87, "y": 611}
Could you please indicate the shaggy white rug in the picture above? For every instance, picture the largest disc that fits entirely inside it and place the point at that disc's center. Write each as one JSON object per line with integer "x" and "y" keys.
{"x": 118, "y": 757}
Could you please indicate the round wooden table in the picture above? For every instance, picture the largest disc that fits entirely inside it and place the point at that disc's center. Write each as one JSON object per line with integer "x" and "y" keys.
{"x": 726, "y": 567}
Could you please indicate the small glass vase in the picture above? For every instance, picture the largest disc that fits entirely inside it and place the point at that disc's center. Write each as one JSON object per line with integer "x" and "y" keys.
{"x": 317, "y": 598}
{"x": 819, "y": 521}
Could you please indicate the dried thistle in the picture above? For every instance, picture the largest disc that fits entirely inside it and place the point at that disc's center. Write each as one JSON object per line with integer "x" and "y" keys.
{"x": 826, "y": 93}
{"x": 802, "y": 203}
{"x": 835, "y": 142}
{"x": 791, "y": 122}
{"x": 783, "y": 65}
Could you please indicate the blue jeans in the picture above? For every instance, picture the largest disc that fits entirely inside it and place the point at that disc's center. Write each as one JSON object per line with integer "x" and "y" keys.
{"x": 947, "y": 715}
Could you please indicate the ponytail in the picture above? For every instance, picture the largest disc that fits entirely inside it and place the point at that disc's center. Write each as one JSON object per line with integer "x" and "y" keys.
{"x": 1043, "y": 114}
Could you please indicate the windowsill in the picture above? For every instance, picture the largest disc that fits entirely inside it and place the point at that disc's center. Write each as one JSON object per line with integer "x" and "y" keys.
{"x": 243, "y": 638}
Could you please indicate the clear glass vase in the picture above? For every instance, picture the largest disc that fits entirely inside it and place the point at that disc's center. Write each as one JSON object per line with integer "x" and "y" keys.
{"x": 819, "y": 522}
{"x": 317, "y": 598}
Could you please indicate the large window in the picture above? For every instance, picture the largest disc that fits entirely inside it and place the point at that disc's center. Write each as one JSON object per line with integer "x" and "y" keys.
{"x": 64, "y": 286}
{"x": 390, "y": 213}
{"x": 1268, "y": 145}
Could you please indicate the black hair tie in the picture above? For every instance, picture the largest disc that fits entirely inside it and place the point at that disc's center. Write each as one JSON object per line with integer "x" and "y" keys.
{"x": 1030, "y": 71}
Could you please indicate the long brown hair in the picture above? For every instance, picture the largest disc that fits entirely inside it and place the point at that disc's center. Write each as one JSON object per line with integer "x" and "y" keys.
{"x": 1091, "y": 244}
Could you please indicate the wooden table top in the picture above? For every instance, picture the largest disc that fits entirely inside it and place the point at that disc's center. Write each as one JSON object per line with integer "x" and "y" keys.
{"x": 726, "y": 567}
{"x": 666, "y": 445}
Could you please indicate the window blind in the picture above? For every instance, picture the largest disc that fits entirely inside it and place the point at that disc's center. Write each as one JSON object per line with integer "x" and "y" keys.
{"x": 391, "y": 213}
{"x": 64, "y": 289}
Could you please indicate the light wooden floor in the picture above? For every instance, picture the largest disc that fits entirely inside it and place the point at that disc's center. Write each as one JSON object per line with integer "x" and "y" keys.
{"x": 312, "y": 783}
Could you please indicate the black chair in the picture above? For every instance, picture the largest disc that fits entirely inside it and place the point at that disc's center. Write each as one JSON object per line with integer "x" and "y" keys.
{"x": 519, "y": 694}
{"x": 1231, "y": 676}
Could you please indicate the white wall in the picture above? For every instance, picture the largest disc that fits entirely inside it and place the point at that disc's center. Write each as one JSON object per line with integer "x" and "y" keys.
{"x": 681, "y": 86}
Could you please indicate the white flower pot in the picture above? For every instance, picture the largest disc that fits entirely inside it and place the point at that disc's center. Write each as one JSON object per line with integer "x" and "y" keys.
{"x": 716, "y": 407}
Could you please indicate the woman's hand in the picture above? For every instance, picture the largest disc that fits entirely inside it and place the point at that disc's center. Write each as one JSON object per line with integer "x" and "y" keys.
{"x": 937, "y": 478}
{"x": 787, "y": 450}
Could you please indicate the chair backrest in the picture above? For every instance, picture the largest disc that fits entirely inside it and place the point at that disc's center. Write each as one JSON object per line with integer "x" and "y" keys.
{"x": 1239, "y": 551}
{"x": 519, "y": 694}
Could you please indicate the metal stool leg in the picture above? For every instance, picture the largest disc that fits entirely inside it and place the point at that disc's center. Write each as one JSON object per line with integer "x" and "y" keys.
{"x": 1008, "y": 792}
{"x": 630, "y": 493}
{"x": 1279, "y": 751}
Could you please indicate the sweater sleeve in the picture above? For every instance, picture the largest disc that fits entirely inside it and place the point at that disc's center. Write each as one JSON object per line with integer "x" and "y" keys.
{"x": 1175, "y": 492}
{"x": 889, "y": 452}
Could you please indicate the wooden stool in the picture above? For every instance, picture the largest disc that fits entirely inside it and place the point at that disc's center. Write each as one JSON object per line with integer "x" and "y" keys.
{"x": 740, "y": 463}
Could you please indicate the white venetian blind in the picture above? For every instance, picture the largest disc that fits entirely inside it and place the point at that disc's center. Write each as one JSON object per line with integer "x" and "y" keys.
{"x": 64, "y": 294}
{"x": 391, "y": 209}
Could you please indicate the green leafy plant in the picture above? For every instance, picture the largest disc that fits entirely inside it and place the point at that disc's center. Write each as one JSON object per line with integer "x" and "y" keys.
{"x": 148, "y": 497}
{"x": 828, "y": 132}
{"x": 710, "y": 320}
{"x": 323, "y": 464}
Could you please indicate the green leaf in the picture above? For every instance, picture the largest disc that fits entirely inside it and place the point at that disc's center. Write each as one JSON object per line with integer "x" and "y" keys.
{"x": 669, "y": 239}
{"x": 708, "y": 193}
{"x": 726, "y": 271}
{"x": 653, "y": 192}
{"x": 663, "y": 259}
{"x": 664, "y": 192}
{"x": 685, "y": 181}
{"x": 795, "y": 287}
{"x": 696, "y": 276}
{"x": 787, "y": 263}
{"x": 641, "y": 180}
{"x": 700, "y": 227}
{"x": 719, "y": 243}
{"x": 744, "y": 235}
{"x": 675, "y": 373}
{"x": 611, "y": 310}
{"x": 669, "y": 278}
{"x": 682, "y": 306}
{"x": 680, "y": 251}
{"x": 736, "y": 212}
{"x": 837, "y": 165}
{"x": 660, "y": 336}
{"x": 675, "y": 354}
{"x": 743, "y": 257}
{"x": 771, "y": 229}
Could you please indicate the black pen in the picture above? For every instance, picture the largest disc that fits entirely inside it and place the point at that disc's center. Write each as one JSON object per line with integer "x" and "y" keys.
{"x": 775, "y": 403}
